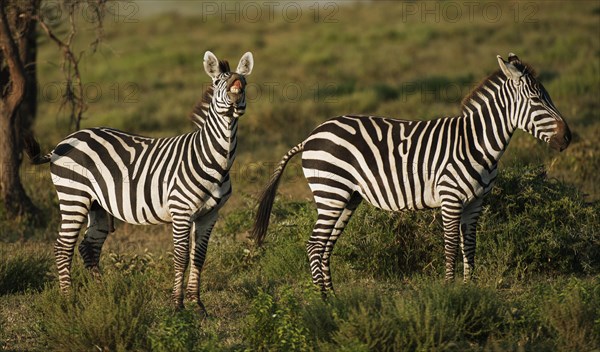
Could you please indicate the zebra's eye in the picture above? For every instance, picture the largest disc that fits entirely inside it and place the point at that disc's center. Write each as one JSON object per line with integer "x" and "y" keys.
{"x": 534, "y": 94}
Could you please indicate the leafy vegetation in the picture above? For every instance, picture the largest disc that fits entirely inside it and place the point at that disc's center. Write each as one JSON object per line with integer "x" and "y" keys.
{"x": 275, "y": 324}
{"x": 538, "y": 251}
{"x": 112, "y": 315}
{"x": 23, "y": 268}
{"x": 537, "y": 292}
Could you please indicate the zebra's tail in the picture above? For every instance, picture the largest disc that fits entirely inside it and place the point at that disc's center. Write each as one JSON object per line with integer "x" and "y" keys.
{"x": 268, "y": 197}
{"x": 32, "y": 148}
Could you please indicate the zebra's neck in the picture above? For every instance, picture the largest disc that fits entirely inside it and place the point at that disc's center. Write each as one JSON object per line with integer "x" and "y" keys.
{"x": 217, "y": 140}
{"x": 200, "y": 112}
{"x": 488, "y": 124}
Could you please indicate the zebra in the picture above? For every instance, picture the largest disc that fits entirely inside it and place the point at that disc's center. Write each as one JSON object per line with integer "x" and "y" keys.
{"x": 448, "y": 163}
{"x": 100, "y": 173}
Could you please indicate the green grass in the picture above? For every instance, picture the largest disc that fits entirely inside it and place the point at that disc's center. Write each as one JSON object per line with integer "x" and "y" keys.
{"x": 538, "y": 292}
{"x": 24, "y": 267}
{"x": 538, "y": 248}
{"x": 114, "y": 315}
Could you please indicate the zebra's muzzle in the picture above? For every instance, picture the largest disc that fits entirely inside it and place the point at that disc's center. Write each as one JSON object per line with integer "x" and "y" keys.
{"x": 236, "y": 92}
{"x": 236, "y": 87}
{"x": 561, "y": 140}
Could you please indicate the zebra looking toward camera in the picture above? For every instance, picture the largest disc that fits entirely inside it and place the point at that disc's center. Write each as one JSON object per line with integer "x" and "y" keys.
{"x": 183, "y": 180}
{"x": 448, "y": 163}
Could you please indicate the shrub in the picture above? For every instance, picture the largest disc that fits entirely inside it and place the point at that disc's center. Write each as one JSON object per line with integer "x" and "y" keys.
{"x": 284, "y": 258}
{"x": 113, "y": 314}
{"x": 176, "y": 332}
{"x": 572, "y": 315}
{"x": 386, "y": 244}
{"x": 274, "y": 323}
{"x": 536, "y": 224}
{"x": 23, "y": 268}
{"x": 436, "y": 317}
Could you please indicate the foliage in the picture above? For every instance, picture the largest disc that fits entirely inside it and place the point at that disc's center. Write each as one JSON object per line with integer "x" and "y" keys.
{"x": 114, "y": 314}
{"x": 385, "y": 244}
{"x": 175, "y": 332}
{"x": 23, "y": 268}
{"x": 433, "y": 318}
{"x": 572, "y": 314}
{"x": 274, "y": 323}
{"x": 538, "y": 224}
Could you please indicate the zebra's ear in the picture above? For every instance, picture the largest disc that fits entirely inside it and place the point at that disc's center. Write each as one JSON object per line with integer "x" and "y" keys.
{"x": 246, "y": 64}
{"x": 211, "y": 64}
{"x": 509, "y": 69}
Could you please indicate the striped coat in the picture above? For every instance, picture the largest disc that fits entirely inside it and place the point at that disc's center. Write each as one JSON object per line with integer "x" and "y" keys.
{"x": 100, "y": 173}
{"x": 448, "y": 163}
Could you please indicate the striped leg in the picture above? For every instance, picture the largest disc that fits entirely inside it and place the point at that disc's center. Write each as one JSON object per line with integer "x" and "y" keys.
{"x": 335, "y": 234}
{"x": 203, "y": 229}
{"x": 316, "y": 245}
{"x": 468, "y": 225}
{"x": 329, "y": 211}
{"x": 95, "y": 235}
{"x": 72, "y": 219}
{"x": 181, "y": 255}
{"x": 451, "y": 215}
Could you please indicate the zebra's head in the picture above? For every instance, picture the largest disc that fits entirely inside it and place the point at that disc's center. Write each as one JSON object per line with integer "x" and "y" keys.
{"x": 532, "y": 109}
{"x": 229, "y": 88}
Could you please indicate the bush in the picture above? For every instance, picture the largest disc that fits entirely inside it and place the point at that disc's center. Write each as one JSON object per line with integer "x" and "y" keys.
{"x": 284, "y": 258}
{"x": 429, "y": 316}
{"x": 387, "y": 245}
{"x": 176, "y": 332}
{"x": 23, "y": 268}
{"x": 114, "y": 314}
{"x": 534, "y": 224}
{"x": 572, "y": 315}
{"x": 436, "y": 317}
{"x": 274, "y": 323}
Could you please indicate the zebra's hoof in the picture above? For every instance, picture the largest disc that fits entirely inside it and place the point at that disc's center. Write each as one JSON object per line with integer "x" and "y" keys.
{"x": 202, "y": 311}
{"x": 178, "y": 305}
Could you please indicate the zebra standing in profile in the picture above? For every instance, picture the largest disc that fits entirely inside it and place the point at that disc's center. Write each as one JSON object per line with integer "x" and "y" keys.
{"x": 448, "y": 163}
{"x": 183, "y": 180}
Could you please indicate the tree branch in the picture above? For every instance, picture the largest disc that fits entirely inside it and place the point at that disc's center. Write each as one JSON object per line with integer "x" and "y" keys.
{"x": 74, "y": 94}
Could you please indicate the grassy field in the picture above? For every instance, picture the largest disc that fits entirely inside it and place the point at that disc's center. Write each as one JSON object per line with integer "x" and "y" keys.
{"x": 538, "y": 254}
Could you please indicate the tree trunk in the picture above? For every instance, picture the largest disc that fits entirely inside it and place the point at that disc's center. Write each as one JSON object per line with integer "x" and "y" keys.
{"x": 17, "y": 44}
{"x": 13, "y": 196}
{"x": 28, "y": 108}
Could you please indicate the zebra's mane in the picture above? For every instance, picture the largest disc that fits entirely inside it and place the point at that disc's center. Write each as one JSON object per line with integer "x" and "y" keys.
{"x": 200, "y": 110}
{"x": 523, "y": 67}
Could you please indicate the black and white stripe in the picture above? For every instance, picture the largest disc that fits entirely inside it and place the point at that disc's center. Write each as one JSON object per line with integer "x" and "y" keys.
{"x": 448, "y": 163}
{"x": 183, "y": 180}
